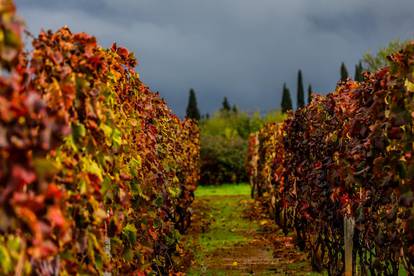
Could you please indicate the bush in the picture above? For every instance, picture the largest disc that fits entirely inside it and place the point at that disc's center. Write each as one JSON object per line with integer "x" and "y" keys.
{"x": 224, "y": 144}
{"x": 229, "y": 123}
{"x": 222, "y": 159}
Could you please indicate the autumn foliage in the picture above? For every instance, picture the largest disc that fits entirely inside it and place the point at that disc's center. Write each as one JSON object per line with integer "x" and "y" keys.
{"x": 347, "y": 154}
{"x": 96, "y": 172}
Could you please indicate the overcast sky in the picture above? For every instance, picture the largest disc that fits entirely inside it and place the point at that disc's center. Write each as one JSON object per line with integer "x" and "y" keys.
{"x": 242, "y": 49}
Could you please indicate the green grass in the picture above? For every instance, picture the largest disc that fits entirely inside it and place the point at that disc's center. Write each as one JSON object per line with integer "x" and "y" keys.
{"x": 223, "y": 190}
{"x": 226, "y": 213}
{"x": 228, "y": 228}
{"x": 227, "y": 223}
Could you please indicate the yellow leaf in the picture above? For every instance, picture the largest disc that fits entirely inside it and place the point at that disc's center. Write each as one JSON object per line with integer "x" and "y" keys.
{"x": 409, "y": 85}
{"x": 264, "y": 222}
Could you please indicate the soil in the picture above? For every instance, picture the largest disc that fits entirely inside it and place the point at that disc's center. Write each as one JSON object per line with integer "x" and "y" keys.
{"x": 231, "y": 235}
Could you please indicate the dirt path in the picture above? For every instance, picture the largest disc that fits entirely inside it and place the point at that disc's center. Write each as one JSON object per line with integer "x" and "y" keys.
{"x": 225, "y": 240}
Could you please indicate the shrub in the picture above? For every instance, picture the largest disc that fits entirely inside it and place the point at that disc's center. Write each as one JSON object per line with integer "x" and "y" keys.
{"x": 224, "y": 144}
{"x": 222, "y": 159}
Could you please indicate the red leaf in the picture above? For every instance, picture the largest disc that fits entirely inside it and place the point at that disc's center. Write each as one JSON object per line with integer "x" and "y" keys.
{"x": 53, "y": 192}
{"x": 22, "y": 176}
{"x": 56, "y": 217}
{"x": 318, "y": 165}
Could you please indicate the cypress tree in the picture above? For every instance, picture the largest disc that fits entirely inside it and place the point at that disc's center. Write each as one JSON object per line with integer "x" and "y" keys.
{"x": 235, "y": 109}
{"x": 309, "y": 94}
{"x": 358, "y": 72}
{"x": 300, "y": 95}
{"x": 225, "y": 105}
{"x": 192, "y": 111}
{"x": 286, "y": 103}
{"x": 361, "y": 71}
{"x": 344, "y": 72}
{"x": 356, "y": 75}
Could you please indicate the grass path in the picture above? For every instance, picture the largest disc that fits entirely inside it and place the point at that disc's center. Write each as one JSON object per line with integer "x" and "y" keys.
{"x": 225, "y": 240}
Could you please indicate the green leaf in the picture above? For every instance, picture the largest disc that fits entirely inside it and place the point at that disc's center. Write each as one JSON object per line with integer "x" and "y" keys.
{"x": 116, "y": 137}
{"x": 159, "y": 201}
{"x": 91, "y": 166}
{"x": 106, "y": 185}
{"x": 5, "y": 260}
{"x": 78, "y": 131}
{"x": 13, "y": 244}
{"x": 130, "y": 233}
{"x": 135, "y": 165}
{"x": 107, "y": 130}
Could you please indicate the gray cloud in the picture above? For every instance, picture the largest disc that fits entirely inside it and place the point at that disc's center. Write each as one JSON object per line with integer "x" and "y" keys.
{"x": 241, "y": 49}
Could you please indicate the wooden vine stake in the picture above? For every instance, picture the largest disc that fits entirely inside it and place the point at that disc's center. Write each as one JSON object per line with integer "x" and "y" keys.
{"x": 254, "y": 161}
{"x": 349, "y": 226}
{"x": 107, "y": 244}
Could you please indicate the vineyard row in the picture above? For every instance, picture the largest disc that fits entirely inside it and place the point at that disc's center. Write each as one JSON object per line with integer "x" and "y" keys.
{"x": 340, "y": 173}
{"x": 96, "y": 173}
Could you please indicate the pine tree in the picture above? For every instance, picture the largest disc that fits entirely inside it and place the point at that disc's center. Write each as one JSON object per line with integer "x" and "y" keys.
{"x": 309, "y": 94}
{"x": 192, "y": 111}
{"x": 225, "y": 105}
{"x": 300, "y": 94}
{"x": 344, "y": 72}
{"x": 286, "y": 103}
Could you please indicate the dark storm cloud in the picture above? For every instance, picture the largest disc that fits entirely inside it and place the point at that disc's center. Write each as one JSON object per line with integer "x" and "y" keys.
{"x": 241, "y": 49}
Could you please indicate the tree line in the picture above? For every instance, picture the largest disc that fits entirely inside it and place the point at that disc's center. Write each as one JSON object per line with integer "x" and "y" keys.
{"x": 193, "y": 111}
{"x": 286, "y": 103}
{"x": 372, "y": 63}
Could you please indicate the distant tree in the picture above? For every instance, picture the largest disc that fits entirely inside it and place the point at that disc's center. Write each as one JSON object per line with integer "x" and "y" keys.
{"x": 358, "y": 72}
{"x": 286, "y": 103}
{"x": 361, "y": 71}
{"x": 375, "y": 62}
{"x": 234, "y": 109}
{"x": 309, "y": 94}
{"x": 225, "y": 105}
{"x": 192, "y": 111}
{"x": 301, "y": 93}
{"x": 344, "y": 72}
